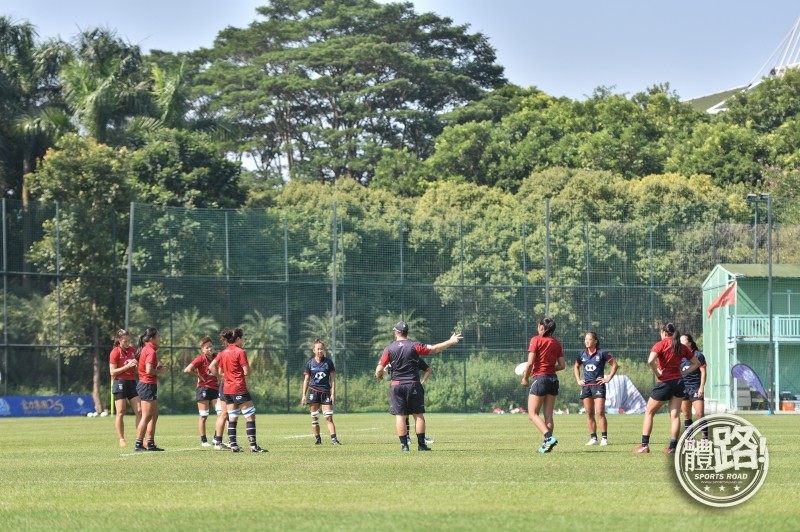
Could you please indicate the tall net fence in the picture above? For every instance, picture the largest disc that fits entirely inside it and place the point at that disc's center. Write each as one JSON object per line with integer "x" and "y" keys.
{"x": 291, "y": 276}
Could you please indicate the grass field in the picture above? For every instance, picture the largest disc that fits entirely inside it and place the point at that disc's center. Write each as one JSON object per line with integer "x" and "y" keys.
{"x": 484, "y": 473}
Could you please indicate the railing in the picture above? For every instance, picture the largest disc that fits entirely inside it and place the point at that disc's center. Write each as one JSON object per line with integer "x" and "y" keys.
{"x": 756, "y": 328}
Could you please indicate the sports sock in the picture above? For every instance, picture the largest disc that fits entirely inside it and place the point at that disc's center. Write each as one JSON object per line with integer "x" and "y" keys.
{"x": 673, "y": 444}
{"x": 548, "y": 435}
{"x": 203, "y": 439}
{"x": 403, "y": 439}
{"x": 333, "y": 436}
{"x": 421, "y": 439}
{"x": 645, "y": 440}
{"x": 232, "y": 431}
{"x": 251, "y": 431}
{"x": 604, "y": 435}
{"x": 593, "y": 436}
{"x": 138, "y": 444}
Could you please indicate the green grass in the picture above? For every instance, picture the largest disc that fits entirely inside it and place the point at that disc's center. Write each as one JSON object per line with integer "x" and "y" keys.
{"x": 69, "y": 474}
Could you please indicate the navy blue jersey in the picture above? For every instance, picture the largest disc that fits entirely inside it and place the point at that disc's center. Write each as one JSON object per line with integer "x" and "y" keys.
{"x": 594, "y": 366}
{"x": 693, "y": 378}
{"x": 404, "y": 355}
{"x": 320, "y": 374}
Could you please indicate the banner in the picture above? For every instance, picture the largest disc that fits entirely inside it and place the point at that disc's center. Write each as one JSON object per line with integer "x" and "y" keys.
{"x": 747, "y": 374}
{"x": 45, "y": 405}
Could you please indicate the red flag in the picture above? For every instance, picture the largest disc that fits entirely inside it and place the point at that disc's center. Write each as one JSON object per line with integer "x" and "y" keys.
{"x": 727, "y": 297}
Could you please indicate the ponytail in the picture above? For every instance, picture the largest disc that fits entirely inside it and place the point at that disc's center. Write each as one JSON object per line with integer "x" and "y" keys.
{"x": 549, "y": 325}
{"x": 675, "y": 334}
{"x": 146, "y": 336}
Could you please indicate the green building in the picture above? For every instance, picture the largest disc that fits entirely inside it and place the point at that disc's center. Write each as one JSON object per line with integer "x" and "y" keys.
{"x": 739, "y": 332}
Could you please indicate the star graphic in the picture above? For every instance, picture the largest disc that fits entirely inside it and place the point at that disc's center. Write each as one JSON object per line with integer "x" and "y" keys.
{"x": 736, "y": 487}
{"x": 722, "y": 488}
{"x": 707, "y": 488}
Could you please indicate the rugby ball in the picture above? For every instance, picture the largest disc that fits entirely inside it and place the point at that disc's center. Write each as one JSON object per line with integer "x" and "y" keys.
{"x": 520, "y": 369}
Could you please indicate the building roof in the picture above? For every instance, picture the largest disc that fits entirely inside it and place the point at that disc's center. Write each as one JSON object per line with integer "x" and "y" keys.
{"x": 762, "y": 270}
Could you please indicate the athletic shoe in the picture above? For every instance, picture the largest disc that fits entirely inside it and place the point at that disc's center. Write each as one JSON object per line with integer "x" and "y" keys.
{"x": 642, "y": 449}
{"x": 548, "y": 444}
{"x": 669, "y": 450}
{"x": 221, "y": 446}
{"x": 335, "y": 441}
{"x": 318, "y": 441}
{"x": 154, "y": 448}
{"x": 257, "y": 449}
{"x": 423, "y": 447}
{"x": 122, "y": 442}
{"x": 428, "y": 441}
{"x": 404, "y": 448}
{"x": 408, "y": 440}
{"x": 234, "y": 447}
{"x": 604, "y": 441}
{"x": 139, "y": 449}
{"x": 205, "y": 444}
{"x": 592, "y": 441}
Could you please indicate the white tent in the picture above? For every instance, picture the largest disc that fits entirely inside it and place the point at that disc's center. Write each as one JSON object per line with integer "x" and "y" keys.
{"x": 623, "y": 397}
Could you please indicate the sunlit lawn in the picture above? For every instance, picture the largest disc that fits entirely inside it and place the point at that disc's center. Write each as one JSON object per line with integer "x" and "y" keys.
{"x": 484, "y": 473}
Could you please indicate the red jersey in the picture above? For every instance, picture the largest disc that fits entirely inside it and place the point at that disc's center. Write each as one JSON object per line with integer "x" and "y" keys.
{"x": 547, "y": 350}
{"x": 668, "y": 362}
{"x": 205, "y": 379}
{"x": 120, "y": 357}
{"x": 148, "y": 356}
{"x": 231, "y": 362}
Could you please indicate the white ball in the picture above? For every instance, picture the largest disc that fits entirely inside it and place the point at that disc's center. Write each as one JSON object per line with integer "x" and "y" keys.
{"x": 90, "y": 414}
{"x": 104, "y": 413}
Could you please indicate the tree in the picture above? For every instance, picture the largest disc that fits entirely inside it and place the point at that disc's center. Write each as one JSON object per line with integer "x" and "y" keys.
{"x": 91, "y": 184}
{"x": 106, "y": 87}
{"x": 319, "y": 87}
{"x": 267, "y": 336}
{"x": 32, "y": 113}
{"x": 184, "y": 168}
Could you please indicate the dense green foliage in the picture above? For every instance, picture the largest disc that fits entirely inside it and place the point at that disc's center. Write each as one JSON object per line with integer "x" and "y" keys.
{"x": 405, "y": 123}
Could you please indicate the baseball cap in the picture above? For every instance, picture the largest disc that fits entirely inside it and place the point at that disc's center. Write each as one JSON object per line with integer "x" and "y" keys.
{"x": 401, "y": 327}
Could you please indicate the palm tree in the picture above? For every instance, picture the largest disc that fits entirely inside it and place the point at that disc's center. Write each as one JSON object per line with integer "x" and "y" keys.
{"x": 267, "y": 335}
{"x": 32, "y": 112}
{"x": 106, "y": 86}
{"x": 186, "y": 329}
{"x": 323, "y": 327}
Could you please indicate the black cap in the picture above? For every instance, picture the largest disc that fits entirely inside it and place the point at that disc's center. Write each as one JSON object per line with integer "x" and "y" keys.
{"x": 401, "y": 327}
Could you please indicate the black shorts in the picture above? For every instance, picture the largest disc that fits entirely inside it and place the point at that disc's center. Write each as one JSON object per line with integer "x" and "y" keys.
{"x": 315, "y": 397}
{"x": 544, "y": 385}
{"x": 595, "y": 392}
{"x": 406, "y": 399}
{"x": 206, "y": 394}
{"x": 147, "y": 392}
{"x": 124, "y": 389}
{"x": 664, "y": 391}
{"x": 237, "y": 398}
{"x": 690, "y": 393}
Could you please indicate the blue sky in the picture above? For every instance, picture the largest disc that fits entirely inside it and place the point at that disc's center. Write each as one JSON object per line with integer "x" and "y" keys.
{"x": 564, "y": 47}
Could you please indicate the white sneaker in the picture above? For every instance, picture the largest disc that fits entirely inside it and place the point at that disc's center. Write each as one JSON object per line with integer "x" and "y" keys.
{"x": 428, "y": 441}
{"x": 604, "y": 441}
{"x": 205, "y": 444}
{"x": 593, "y": 441}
